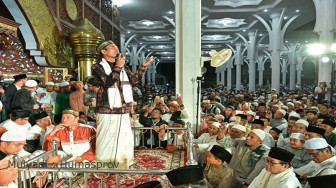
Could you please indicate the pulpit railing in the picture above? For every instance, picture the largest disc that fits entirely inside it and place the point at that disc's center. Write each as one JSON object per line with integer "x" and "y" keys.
{"x": 41, "y": 169}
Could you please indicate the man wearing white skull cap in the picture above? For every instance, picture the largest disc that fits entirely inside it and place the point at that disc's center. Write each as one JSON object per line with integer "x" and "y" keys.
{"x": 206, "y": 140}
{"x": 49, "y": 96}
{"x": 320, "y": 152}
{"x": 237, "y": 132}
{"x": 279, "y": 121}
{"x": 248, "y": 155}
{"x": 12, "y": 142}
{"x": 296, "y": 146}
{"x": 23, "y": 98}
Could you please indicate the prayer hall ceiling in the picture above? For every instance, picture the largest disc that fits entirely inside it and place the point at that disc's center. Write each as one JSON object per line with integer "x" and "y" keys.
{"x": 151, "y": 23}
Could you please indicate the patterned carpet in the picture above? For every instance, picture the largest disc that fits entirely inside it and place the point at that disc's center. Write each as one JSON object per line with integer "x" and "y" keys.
{"x": 145, "y": 159}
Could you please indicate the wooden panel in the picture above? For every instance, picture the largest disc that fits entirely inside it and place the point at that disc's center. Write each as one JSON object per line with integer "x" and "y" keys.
{"x": 106, "y": 8}
{"x": 15, "y": 61}
{"x": 55, "y": 75}
{"x": 62, "y": 11}
{"x": 92, "y": 16}
{"x": 116, "y": 37}
{"x": 95, "y": 3}
{"x": 107, "y": 30}
{"x": 116, "y": 15}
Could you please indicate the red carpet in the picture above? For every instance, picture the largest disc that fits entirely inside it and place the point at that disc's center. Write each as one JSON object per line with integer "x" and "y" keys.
{"x": 145, "y": 159}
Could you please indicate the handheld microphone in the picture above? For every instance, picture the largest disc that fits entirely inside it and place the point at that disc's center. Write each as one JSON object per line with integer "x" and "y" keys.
{"x": 117, "y": 55}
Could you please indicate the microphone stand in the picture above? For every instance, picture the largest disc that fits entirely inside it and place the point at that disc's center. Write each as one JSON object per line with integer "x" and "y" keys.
{"x": 199, "y": 81}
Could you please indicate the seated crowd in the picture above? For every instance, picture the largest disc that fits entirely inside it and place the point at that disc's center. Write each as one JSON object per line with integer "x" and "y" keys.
{"x": 257, "y": 139}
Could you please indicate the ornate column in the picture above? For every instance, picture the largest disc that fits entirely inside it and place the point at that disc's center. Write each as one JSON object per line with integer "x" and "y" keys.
{"x": 299, "y": 69}
{"x": 251, "y": 51}
{"x": 284, "y": 71}
{"x": 148, "y": 75}
{"x": 275, "y": 47}
{"x": 238, "y": 63}
{"x": 122, "y": 44}
{"x": 276, "y": 35}
{"x": 188, "y": 53}
{"x": 154, "y": 65}
{"x": 292, "y": 63}
{"x": 222, "y": 69}
{"x": 261, "y": 69}
{"x": 229, "y": 72}
{"x": 142, "y": 59}
{"x": 85, "y": 38}
{"x": 218, "y": 72}
{"x": 325, "y": 26}
{"x": 134, "y": 58}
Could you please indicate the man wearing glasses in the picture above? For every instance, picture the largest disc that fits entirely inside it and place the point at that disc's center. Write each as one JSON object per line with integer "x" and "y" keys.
{"x": 320, "y": 152}
{"x": 278, "y": 171}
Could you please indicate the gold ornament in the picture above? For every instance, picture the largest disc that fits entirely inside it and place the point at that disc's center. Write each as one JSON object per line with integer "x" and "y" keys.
{"x": 85, "y": 38}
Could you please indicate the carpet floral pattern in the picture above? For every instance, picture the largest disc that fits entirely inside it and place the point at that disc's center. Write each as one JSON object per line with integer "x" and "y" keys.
{"x": 144, "y": 159}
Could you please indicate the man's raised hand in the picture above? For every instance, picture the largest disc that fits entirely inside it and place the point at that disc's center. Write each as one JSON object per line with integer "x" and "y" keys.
{"x": 146, "y": 63}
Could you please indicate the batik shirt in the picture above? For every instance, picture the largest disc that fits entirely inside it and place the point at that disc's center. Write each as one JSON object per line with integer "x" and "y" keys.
{"x": 113, "y": 81}
{"x": 79, "y": 140}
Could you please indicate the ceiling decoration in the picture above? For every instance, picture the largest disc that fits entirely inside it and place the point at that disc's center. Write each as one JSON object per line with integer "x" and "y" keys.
{"x": 147, "y": 24}
{"x": 161, "y": 47}
{"x": 236, "y": 3}
{"x": 221, "y": 20}
{"x": 216, "y": 37}
{"x": 212, "y": 46}
{"x": 165, "y": 53}
{"x": 224, "y": 23}
{"x": 156, "y": 38}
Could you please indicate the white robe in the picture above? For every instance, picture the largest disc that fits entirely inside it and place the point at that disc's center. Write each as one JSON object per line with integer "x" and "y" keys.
{"x": 112, "y": 144}
{"x": 285, "y": 179}
{"x": 114, "y": 134}
{"x": 11, "y": 125}
{"x": 327, "y": 167}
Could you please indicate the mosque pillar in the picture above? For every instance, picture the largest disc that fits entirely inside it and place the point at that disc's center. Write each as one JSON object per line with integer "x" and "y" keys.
{"x": 218, "y": 74}
{"x": 284, "y": 71}
{"x": 299, "y": 69}
{"x": 188, "y": 53}
{"x": 325, "y": 26}
{"x": 154, "y": 65}
{"x": 292, "y": 64}
{"x": 85, "y": 38}
{"x": 276, "y": 35}
{"x": 229, "y": 73}
{"x": 261, "y": 77}
{"x": 298, "y": 83}
{"x": 261, "y": 70}
{"x": 122, "y": 44}
{"x": 142, "y": 59}
{"x": 238, "y": 63}
{"x": 222, "y": 69}
{"x": 251, "y": 51}
{"x": 134, "y": 58}
{"x": 148, "y": 75}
